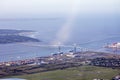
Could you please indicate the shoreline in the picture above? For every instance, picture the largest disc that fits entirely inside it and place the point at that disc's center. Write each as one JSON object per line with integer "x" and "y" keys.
{"x": 50, "y": 63}
{"x": 59, "y": 55}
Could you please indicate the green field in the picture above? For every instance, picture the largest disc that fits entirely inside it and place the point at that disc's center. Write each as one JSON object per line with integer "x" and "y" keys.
{"x": 76, "y": 73}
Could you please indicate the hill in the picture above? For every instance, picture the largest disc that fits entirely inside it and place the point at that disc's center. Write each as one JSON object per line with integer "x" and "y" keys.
{"x": 12, "y": 32}
{"x": 12, "y": 36}
{"x": 76, "y": 73}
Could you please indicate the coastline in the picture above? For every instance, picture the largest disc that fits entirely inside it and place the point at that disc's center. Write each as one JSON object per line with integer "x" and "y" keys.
{"x": 50, "y": 63}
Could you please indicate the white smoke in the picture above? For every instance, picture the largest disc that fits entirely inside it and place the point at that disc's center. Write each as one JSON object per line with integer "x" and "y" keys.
{"x": 64, "y": 34}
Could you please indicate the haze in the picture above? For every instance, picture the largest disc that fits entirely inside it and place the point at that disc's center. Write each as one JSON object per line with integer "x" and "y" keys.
{"x": 56, "y": 8}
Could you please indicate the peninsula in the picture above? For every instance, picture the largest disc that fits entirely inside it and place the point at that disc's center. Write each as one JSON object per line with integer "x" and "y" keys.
{"x": 13, "y": 36}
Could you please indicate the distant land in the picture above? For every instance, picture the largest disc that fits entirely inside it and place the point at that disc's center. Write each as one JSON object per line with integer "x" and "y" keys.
{"x": 27, "y": 19}
{"x": 13, "y": 36}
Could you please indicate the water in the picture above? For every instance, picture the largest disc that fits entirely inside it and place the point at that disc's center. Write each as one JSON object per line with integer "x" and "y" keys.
{"x": 20, "y": 51}
{"x": 88, "y": 32}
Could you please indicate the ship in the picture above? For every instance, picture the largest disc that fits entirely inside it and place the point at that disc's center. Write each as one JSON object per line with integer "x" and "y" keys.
{"x": 115, "y": 45}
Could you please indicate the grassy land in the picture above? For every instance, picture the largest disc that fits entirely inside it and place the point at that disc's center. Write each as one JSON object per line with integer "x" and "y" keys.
{"x": 76, "y": 73}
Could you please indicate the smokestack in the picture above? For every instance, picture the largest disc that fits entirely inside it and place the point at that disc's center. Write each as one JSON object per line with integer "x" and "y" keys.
{"x": 75, "y": 48}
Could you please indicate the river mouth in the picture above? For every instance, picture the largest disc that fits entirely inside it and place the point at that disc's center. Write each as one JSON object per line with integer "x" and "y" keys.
{"x": 12, "y": 79}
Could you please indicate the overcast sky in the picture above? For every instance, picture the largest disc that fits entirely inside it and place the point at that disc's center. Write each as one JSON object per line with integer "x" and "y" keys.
{"x": 35, "y": 8}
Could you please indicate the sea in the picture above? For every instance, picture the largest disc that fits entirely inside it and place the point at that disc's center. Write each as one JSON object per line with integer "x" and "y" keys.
{"x": 91, "y": 33}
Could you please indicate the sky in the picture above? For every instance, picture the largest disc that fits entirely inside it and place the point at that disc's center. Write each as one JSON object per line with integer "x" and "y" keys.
{"x": 78, "y": 16}
{"x": 35, "y": 8}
